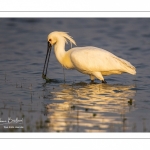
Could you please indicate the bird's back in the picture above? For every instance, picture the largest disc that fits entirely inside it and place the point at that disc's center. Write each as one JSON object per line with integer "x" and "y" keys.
{"x": 88, "y": 59}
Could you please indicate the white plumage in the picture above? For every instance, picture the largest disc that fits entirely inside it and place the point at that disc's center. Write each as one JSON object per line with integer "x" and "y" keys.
{"x": 93, "y": 61}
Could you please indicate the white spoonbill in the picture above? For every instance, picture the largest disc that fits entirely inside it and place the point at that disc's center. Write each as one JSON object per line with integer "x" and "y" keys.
{"x": 93, "y": 61}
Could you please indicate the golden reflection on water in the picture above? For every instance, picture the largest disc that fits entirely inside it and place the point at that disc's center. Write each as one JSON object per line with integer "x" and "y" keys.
{"x": 90, "y": 108}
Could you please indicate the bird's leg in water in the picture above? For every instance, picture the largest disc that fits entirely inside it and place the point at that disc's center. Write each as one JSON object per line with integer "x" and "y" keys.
{"x": 92, "y": 77}
{"x": 99, "y": 76}
{"x": 92, "y": 82}
{"x": 104, "y": 81}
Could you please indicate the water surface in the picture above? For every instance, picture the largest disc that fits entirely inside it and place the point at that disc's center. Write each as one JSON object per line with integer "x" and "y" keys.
{"x": 74, "y": 105}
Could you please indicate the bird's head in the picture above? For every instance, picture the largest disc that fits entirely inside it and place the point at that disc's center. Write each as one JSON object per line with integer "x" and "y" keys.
{"x": 53, "y": 38}
{"x": 56, "y": 36}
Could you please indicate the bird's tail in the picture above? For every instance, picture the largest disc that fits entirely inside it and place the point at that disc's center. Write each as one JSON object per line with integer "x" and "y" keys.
{"x": 128, "y": 67}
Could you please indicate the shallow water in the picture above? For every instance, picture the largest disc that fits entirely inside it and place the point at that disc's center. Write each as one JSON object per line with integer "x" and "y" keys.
{"x": 73, "y": 105}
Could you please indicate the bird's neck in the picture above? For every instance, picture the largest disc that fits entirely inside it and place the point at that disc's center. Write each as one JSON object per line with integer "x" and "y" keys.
{"x": 59, "y": 49}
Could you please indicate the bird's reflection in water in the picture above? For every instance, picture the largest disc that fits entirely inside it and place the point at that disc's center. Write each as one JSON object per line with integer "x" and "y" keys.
{"x": 90, "y": 107}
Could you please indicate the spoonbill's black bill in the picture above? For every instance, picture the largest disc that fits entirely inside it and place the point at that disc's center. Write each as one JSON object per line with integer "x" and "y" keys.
{"x": 46, "y": 60}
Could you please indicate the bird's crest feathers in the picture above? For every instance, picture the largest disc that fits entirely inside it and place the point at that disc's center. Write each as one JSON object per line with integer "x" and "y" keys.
{"x": 66, "y": 37}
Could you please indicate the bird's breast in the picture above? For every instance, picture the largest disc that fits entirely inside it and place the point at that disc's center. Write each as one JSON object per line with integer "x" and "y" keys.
{"x": 66, "y": 62}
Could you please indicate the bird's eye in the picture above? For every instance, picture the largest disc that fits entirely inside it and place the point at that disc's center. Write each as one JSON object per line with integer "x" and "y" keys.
{"x": 50, "y": 40}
